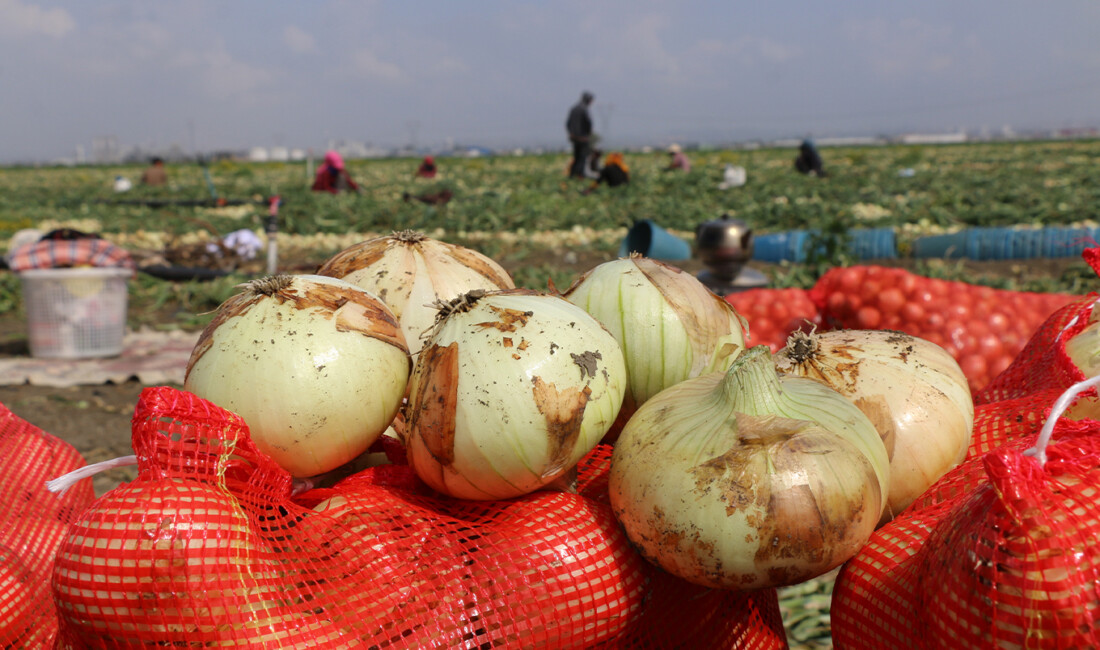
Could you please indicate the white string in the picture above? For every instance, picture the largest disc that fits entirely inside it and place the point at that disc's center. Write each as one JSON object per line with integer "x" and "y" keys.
{"x": 1039, "y": 451}
{"x": 63, "y": 483}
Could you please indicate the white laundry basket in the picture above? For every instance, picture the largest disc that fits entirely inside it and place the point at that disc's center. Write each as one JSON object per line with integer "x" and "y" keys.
{"x": 75, "y": 313}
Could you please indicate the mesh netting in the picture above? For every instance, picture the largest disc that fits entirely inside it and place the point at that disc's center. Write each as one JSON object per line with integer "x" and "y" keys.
{"x": 983, "y": 328}
{"x": 206, "y": 548}
{"x": 1000, "y": 552}
{"x": 33, "y": 522}
{"x": 1043, "y": 363}
{"x": 1012, "y": 562}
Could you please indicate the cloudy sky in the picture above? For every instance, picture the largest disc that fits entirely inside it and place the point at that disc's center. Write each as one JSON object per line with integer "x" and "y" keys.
{"x": 217, "y": 75}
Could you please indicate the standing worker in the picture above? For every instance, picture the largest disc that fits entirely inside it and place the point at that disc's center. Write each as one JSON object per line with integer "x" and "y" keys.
{"x": 579, "y": 128}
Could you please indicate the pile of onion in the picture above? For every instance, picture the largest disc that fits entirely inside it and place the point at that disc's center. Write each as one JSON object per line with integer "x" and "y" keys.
{"x": 316, "y": 366}
{"x": 513, "y": 388}
{"x": 749, "y": 479}
{"x": 911, "y": 389}
{"x": 670, "y": 325}
{"x": 410, "y": 272}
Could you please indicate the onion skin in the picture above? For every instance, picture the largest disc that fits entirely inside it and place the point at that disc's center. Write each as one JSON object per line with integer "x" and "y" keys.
{"x": 911, "y": 389}
{"x": 410, "y": 272}
{"x": 316, "y": 367}
{"x": 512, "y": 390}
{"x": 669, "y": 325}
{"x": 748, "y": 479}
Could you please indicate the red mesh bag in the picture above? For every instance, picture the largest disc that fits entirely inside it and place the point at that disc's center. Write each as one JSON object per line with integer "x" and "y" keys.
{"x": 1017, "y": 563}
{"x": 775, "y": 314}
{"x": 1043, "y": 363}
{"x": 207, "y": 548}
{"x": 981, "y": 327}
{"x": 32, "y": 525}
{"x": 1003, "y": 553}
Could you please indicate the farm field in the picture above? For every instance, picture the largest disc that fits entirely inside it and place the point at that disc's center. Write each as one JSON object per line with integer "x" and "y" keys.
{"x": 524, "y": 213}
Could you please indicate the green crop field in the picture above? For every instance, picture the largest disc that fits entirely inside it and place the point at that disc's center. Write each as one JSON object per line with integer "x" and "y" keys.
{"x": 1035, "y": 183}
{"x": 515, "y": 205}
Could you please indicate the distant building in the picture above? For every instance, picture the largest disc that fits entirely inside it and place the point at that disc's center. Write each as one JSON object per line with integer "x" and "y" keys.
{"x": 105, "y": 149}
{"x": 933, "y": 138}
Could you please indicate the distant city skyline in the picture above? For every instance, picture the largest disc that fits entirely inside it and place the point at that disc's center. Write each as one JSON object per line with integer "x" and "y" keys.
{"x": 207, "y": 76}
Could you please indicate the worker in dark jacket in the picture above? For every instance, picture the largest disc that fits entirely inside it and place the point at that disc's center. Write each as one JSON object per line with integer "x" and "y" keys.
{"x": 579, "y": 128}
{"x": 809, "y": 160}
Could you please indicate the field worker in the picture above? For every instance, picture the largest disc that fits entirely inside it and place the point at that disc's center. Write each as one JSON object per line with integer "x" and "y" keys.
{"x": 677, "y": 159}
{"x": 333, "y": 177}
{"x": 578, "y": 126}
{"x": 154, "y": 175}
{"x": 427, "y": 168}
{"x": 809, "y": 160}
{"x": 614, "y": 172}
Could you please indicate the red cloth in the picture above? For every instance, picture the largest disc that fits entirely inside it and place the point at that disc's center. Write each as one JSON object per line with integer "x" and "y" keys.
{"x": 63, "y": 253}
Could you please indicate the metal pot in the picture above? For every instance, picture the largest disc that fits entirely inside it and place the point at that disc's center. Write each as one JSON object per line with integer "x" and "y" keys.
{"x": 724, "y": 246}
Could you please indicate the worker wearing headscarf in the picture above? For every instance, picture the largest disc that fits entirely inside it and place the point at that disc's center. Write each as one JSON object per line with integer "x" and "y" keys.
{"x": 427, "y": 168}
{"x": 332, "y": 176}
{"x": 677, "y": 158}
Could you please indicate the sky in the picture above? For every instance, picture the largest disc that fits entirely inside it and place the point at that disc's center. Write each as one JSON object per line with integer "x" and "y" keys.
{"x": 214, "y": 75}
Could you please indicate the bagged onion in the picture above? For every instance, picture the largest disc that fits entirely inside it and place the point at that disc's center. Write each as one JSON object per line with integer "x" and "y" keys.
{"x": 913, "y": 391}
{"x": 512, "y": 389}
{"x": 749, "y": 479}
{"x": 1084, "y": 347}
{"x": 316, "y": 366}
{"x": 410, "y": 271}
{"x": 1015, "y": 562}
{"x": 670, "y": 326}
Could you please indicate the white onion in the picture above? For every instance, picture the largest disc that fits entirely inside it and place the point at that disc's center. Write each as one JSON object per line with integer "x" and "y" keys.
{"x": 410, "y": 272}
{"x": 912, "y": 390}
{"x": 1083, "y": 348}
{"x": 316, "y": 366}
{"x": 513, "y": 388}
{"x": 670, "y": 326}
{"x": 748, "y": 479}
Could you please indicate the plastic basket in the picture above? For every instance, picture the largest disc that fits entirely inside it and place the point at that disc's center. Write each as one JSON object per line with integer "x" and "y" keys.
{"x": 75, "y": 313}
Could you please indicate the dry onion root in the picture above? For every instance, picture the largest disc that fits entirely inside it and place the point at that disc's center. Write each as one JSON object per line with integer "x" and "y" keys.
{"x": 912, "y": 390}
{"x": 316, "y": 366}
{"x": 513, "y": 388}
{"x": 410, "y": 272}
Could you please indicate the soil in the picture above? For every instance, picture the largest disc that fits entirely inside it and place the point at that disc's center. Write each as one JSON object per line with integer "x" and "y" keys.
{"x": 96, "y": 419}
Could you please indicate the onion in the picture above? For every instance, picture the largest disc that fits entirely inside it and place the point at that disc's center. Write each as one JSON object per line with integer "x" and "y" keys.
{"x": 512, "y": 389}
{"x": 670, "y": 326}
{"x": 410, "y": 272}
{"x": 913, "y": 391}
{"x": 216, "y": 580}
{"x": 1084, "y": 347}
{"x": 316, "y": 366}
{"x": 749, "y": 479}
{"x": 18, "y": 609}
{"x": 1015, "y": 562}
